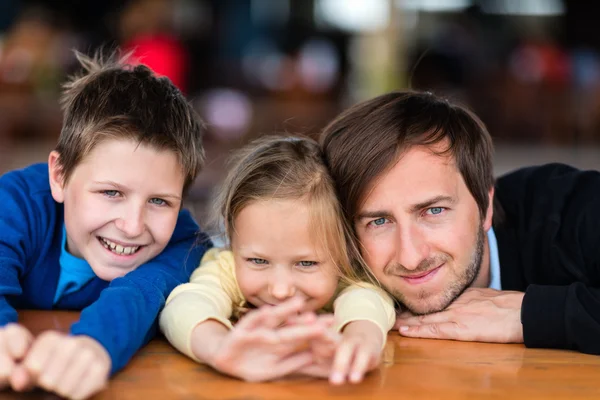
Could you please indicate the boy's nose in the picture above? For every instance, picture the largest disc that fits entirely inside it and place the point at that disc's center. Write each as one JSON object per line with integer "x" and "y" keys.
{"x": 132, "y": 223}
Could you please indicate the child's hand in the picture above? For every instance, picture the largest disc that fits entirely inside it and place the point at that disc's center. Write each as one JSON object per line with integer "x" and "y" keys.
{"x": 15, "y": 341}
{"x": 260, "y": 348}
{"x": 358, "y": 353}
{"x": 75, "y": 367}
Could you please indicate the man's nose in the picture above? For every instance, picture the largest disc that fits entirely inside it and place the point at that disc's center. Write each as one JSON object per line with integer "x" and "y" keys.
{"x": 411, "y": 246}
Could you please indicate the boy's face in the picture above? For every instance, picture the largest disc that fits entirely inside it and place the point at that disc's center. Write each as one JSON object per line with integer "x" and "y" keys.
{"x": 121, "y": 204}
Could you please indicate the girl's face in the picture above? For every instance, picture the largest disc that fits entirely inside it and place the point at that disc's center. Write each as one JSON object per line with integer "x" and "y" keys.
{"x": 277, "y": 257}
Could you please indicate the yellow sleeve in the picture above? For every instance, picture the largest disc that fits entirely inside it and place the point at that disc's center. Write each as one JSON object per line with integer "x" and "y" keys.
{"x": 211, "y": 294}
{"x": 364, "y": 303}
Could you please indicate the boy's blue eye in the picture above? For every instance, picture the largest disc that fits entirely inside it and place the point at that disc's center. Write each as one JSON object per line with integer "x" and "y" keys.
{"x": 436, "y": 210}
{"x": 158, "y": 202}
{"x": 111, "y": 193}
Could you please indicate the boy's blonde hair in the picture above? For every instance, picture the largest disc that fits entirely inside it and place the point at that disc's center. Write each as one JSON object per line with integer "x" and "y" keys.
{"x": 113, "y": 100}
{"x": 278, "y": 167}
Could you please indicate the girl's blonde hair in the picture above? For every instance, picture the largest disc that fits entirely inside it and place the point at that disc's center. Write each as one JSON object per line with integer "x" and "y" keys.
{"x": 291, "y": 167}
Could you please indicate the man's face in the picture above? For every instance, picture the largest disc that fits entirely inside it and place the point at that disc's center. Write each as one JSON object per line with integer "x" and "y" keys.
{"x": 121, "y": 205}
{"x": 421, "y": 233}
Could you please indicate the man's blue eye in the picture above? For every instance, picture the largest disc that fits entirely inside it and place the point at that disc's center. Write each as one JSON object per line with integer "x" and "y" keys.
{"x": 379, "y": 221}
{"x": 436, "y": 210}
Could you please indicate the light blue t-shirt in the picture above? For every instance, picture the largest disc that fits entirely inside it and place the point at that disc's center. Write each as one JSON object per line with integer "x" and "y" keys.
{"x": 494, "y": 261}
{"x": 74, "y": 272}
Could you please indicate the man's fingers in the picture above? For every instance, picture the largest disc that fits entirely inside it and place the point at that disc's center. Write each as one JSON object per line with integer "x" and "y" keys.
{"x": 444, "y": 330}
{"x": 435, "y": 318}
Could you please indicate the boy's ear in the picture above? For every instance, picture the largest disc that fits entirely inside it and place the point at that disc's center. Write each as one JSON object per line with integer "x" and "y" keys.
{"x": 57, "y": 186}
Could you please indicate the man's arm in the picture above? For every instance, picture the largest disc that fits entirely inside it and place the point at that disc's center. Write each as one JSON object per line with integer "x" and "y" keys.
{"x": 552, "y": 210}
{"x": 124, "y": 317}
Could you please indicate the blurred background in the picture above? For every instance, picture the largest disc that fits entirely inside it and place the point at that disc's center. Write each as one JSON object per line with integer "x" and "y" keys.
{"x": 529, "y": 68}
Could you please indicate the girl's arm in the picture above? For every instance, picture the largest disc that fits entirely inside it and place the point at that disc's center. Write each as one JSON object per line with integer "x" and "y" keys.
{"x": 196, "y": 322}
{"x": 209, "y": 296}
{"x": 364, "y": 314}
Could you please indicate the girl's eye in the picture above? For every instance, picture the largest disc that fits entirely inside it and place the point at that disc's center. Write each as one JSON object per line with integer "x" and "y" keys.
{"x": 307, "y": 263}
{"x": 158, "y": 202}
{"x": 258, "y": 261}
{"x": 111, "y": 193}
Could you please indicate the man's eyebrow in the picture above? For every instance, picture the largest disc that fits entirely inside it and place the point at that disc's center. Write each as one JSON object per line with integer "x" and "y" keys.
{"x": 373, "y": 214}
{"x": 430, "y": 202}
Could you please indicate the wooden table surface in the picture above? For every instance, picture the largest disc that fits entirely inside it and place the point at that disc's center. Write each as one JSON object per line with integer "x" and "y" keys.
{"x": 412, "y": 369}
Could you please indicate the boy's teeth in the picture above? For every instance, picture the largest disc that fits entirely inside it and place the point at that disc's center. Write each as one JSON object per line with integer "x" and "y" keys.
{"x": 118, "y": 249}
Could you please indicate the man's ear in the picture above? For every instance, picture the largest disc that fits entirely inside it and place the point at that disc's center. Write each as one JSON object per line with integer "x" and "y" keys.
{"x": 489, "y": 215}
{"x": 57, "y": 182}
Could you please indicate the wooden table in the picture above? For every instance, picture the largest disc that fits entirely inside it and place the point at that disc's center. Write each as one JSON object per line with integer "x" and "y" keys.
{"x": 412, "y": 369}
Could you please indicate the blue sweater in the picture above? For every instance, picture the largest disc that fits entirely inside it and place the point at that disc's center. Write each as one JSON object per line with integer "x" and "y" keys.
{"x": 121, "y": 314}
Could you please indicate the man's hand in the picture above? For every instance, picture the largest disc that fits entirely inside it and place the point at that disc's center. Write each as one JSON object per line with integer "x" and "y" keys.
{"x": 15, "y": 341}
{"x": 74, "y": 367}
{"x": 477, "y": 315}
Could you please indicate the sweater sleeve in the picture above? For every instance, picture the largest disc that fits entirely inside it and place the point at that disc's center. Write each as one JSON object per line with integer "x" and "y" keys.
{"x": 365, "y": 303}
{"x": 124, "y": 317}
{"x": 15, "y": 241}
{"x": 211, "y": 294}
{"x": 563, "y": 311}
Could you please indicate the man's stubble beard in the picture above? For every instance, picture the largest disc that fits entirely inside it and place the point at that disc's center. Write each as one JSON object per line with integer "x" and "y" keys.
{"x": 453, "y": 290}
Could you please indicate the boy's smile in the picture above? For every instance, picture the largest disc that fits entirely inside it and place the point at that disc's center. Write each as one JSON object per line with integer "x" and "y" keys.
{"x": 121, "y": 204}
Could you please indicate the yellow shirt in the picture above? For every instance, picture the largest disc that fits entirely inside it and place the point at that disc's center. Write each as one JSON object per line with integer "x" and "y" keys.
{"x": 213, "y": 293}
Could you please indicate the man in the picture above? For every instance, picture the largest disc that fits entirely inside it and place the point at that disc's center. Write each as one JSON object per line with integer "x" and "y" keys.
{"x": 517, "y": 260}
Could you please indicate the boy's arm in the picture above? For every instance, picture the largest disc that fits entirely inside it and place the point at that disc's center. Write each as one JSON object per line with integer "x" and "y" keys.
{"x": 365, "y": 303}
{"x": 209, "y": 295}
{"x": 15, "y": 239}
{"x": 124, "y": 317}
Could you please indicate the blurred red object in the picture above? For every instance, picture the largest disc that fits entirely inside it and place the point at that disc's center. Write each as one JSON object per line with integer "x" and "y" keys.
{"x": 163, "y": 54}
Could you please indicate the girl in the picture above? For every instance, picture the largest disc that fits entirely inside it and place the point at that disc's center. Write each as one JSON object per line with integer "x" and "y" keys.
{"x": 290, "y": 256}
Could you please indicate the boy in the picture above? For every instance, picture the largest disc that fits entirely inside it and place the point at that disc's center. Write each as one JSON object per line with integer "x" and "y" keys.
{"x": 99, "y": 228}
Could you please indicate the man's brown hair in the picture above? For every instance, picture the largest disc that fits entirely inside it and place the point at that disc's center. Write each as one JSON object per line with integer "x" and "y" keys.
{"x": 367, "y": 140}
{"x": 113, "y": 100}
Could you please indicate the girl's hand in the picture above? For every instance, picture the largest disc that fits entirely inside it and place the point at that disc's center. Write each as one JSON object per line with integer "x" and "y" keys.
{"x": 358, "y": 353}
{"x": 260, "y": 347}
